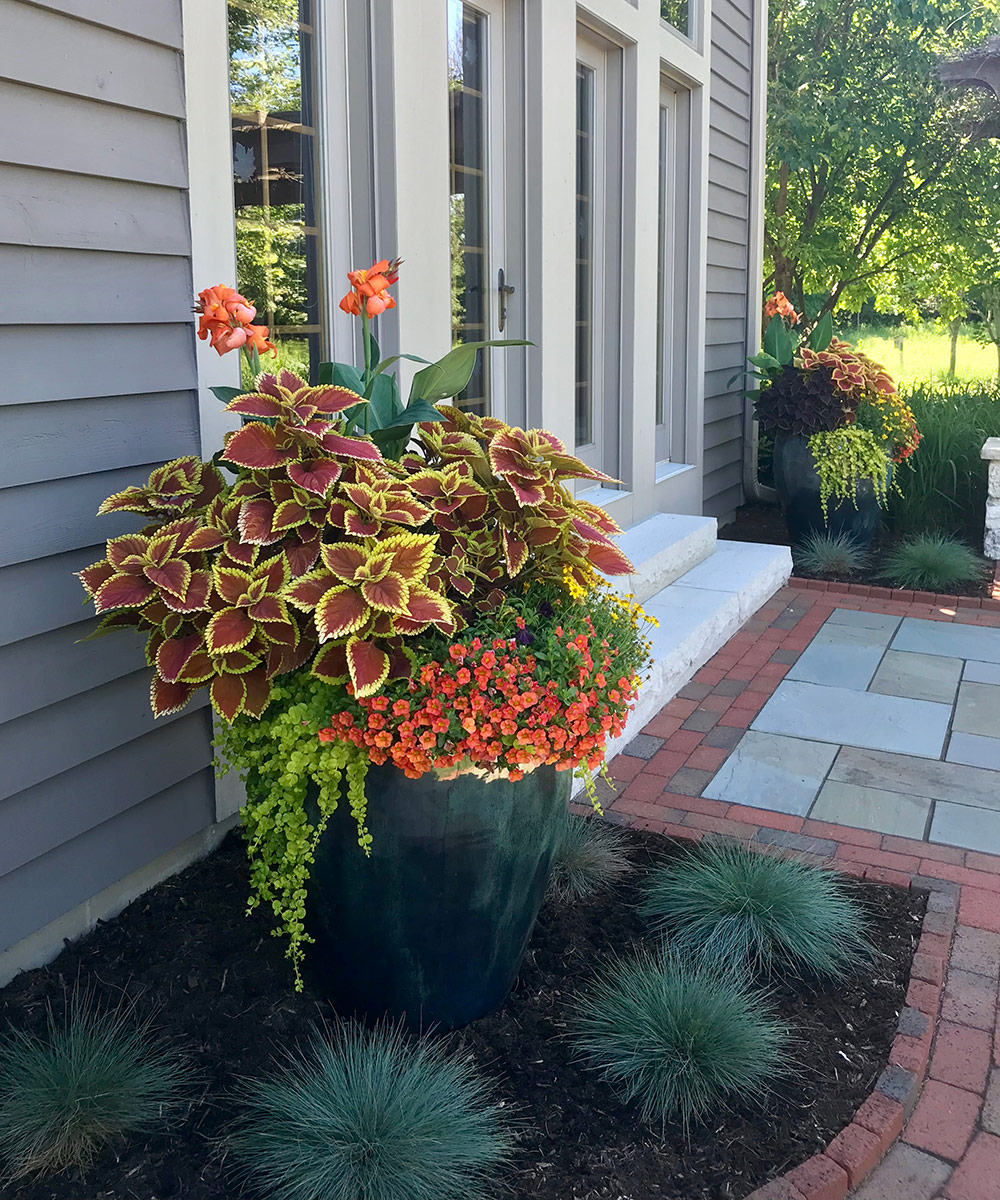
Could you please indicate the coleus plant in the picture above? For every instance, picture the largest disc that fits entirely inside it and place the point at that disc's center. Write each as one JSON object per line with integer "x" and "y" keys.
{"x": 352, "y": 524}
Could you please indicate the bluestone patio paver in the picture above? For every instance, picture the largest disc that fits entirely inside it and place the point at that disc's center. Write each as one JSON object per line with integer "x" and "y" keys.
{"x": 982, "y": 672}
{"x": 963, "y": 825}
{"x": 842, "y": 656}
{"x": 918, "y": 777}
{"x": 863, "y": 620}
{"x": 766, "y": 770}
{"x": 974, "y": 750}
{"x": 952, "y": 641}
{"x": 978, "y": 709}
{"x": 918, "y": 676}
{"x": 845, "y": 716}
{"x": 872, "y": 808}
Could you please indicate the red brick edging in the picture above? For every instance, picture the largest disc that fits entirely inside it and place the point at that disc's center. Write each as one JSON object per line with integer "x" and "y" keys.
{"x": 930, "y": 1122}
{"x": 863, "y": 592}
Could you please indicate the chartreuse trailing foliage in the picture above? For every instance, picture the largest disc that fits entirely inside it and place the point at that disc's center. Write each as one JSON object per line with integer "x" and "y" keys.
{"x": 372, "y": 1115}
{"x": 91, "y": 1078}
{"x": 590, "y": 855}
{"x": 745, "y": 909}
{"x": 677, "y": 1037}
{"x": 931, "y": 562}
{"x": 826, "y": 554}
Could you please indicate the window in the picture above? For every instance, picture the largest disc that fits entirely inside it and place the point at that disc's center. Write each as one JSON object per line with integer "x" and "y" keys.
{"x": 672, "y": 297}
{"x": 272, "y": 90}
{"x": 468, "y": 77}
{"x": 678, "y": 14}
{"x": 598, "y": 252}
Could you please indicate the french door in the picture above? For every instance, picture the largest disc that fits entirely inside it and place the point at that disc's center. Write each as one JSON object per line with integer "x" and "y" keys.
{"x": 486, "y": 198}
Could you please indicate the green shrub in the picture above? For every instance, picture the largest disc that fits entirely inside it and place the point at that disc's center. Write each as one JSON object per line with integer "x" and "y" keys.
{"x": 371, "y": 1115}
{"x": 677, "y": 1037}
{"x": 740, "y": 907}
{"x": 590, "y": 855}
{"x": 91, "y": 1078}
{"x": 931, "y": 562}
{"x": 826, "y": 554}
{"x": 945, "y": 492}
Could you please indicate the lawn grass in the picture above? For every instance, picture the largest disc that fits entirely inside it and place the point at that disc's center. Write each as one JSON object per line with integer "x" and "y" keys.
{"x": 925, "y": 354}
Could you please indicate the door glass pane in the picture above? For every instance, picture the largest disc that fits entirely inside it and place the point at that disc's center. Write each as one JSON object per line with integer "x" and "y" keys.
{"x": 677, "y": 13}
{"x": 272, "y": 81}
{"x": 584, "y": 255}
{"x": 470, "y": 274}
{"x": 661, "y": 250}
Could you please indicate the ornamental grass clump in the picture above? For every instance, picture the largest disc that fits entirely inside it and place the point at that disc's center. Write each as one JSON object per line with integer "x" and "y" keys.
{"x": 90, "y": 1079}
{"x": 830, "y": 554}
{"x": 590, "y": 855}
{"x": 932, "y": 562}
{"x": 679, "y": 1038}
{"x": 747, "y": 909}
{"x": 371, "y": 1115}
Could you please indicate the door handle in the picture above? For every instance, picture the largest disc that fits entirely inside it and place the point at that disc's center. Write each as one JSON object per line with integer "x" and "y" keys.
{"x": 504, "y": 290}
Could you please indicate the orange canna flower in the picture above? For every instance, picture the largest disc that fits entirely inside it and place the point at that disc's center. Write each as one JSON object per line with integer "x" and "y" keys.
{"x": 224, "y": 318}
{"x": 371, "y": 288}
{"x": 779, "y": 304}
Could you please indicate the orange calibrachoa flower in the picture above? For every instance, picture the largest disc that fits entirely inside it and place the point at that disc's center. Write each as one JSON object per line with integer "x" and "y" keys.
{"x": 225, "y": 317}
{"x": 370, "y": 288}
{"x": 780, "y": 305}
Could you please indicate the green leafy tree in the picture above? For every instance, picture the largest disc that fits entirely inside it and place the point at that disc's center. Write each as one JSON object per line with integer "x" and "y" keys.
{"x": 871, "y": 161}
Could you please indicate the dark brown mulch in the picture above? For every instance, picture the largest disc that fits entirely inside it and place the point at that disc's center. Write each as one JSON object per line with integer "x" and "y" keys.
{"x": 218, "y": 984}
{"x": 765, "y": 523}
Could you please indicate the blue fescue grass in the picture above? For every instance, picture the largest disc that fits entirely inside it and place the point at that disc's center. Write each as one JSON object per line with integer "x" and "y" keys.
{"x": 371, "y": 1115}
{"x": 93, "y": 1077}
{"x": 932, "y": 562}
{"x": 751, "y": 910}
{"x": 590, "y": 855}
{"x": 679, "y": 1038}
{"x": 827, "y": 554}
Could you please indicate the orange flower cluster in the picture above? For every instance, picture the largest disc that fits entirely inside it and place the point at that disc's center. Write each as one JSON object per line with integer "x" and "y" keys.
{"x": 780, "y": 306}
{"x": 225, "y": 318}
{"x": 485, "y": 707}
{"x": 370, "y": 288}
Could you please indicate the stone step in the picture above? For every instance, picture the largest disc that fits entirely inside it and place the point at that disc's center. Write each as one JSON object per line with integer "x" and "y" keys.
{"x": 663, "y": 548}
{"x": 698, "y": 613}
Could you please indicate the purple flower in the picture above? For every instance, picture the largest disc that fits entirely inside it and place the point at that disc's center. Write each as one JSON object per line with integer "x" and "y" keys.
{"x": 524, "y": 637}
{"x": 545, "y": 609}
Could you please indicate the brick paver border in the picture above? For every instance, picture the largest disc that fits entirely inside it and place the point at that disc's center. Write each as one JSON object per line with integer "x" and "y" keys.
{"x": 931, "y": 1128}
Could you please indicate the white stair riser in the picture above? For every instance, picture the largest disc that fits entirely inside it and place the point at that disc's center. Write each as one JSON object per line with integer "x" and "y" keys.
{"x": 662, "y": 549}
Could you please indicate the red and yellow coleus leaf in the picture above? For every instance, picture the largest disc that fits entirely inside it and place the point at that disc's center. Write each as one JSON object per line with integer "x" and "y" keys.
{"x": 317, "y": 475}
{"x": 368, "y": 666}
{"x": 256, "y": 446}
{"x": 340, "y": 611}
{"x": 123, "y": 591}
{"x": 229, "y": 629}
{"x": 388, "y": 594}
{"x": 166, "y": 698}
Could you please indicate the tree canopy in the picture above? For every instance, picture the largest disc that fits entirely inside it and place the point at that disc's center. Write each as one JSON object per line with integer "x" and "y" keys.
{"x": 878, "y": 181}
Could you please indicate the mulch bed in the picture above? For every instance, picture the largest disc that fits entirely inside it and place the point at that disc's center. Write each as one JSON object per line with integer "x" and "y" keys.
{"x": 218, "y": 983}
{"x": 765, "y": 523}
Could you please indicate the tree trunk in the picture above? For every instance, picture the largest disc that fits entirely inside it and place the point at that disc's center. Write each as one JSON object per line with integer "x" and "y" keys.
{"x": 954, "y": 326}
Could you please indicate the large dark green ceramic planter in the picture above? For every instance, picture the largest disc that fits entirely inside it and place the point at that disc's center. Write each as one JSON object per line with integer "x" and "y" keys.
{"x": 797, "y": 483}
{"x": 433, "y": 926}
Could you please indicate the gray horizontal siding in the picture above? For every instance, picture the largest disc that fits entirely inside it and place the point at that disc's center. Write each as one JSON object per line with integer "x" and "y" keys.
{"x": 41, "y": 441}
{"x": 63, "y": 133}
{"x": 728, "y": 245}
{"x": 151, "y": 20}
{"x": 38, "y": 820}
{"x": 48, "y": 50}
{"x": 53, "y": 208}
{"x": 98, "y": 350}
{"x": 46, "y": 286}
{"x": 47, "y": 887}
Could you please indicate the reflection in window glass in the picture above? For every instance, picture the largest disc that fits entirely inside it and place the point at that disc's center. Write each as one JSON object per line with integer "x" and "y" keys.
{"x": 272, "y": 72}
{"x": 584, "y": 255}
{"x": 661, "y": 251}
{"x": 467, "y": 102}
{"x": 676, "y": 13}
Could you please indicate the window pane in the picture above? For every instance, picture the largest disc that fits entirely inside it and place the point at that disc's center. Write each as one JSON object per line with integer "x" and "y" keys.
{"x": 467, "y": 105}
{"x": 661, "y": 251}
{"x": 584, "y": 254}
{"x": 676, "y": 13}
{"x": 272, "y": 73}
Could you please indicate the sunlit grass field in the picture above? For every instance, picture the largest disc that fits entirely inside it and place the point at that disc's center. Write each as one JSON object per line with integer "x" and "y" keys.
{"x": 925, "y": 353}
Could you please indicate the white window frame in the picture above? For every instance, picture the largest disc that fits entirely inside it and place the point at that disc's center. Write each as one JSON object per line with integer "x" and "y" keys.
{"x": 605, "y": 60}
